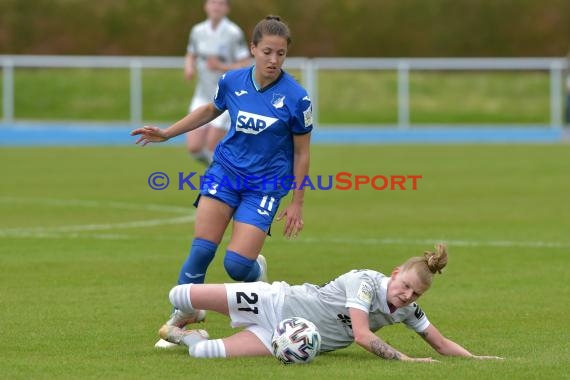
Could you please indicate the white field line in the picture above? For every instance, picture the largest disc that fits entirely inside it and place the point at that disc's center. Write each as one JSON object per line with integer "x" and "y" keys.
{"x": 98, "y": 204}
{"x": 348, "y": 241}
{"x": 429, "y": 242}
{"x": 75, "y": 232}
{"x": 72, "y": 231}
{"x": 68, "y": 235}
{"x": 101, "y": 227}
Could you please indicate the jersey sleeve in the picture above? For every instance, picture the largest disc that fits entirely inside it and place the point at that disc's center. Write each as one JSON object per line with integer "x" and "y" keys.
{"x": 303, "y": 117}
{"x": 359, "y": 293}
{"x": 417, "y": 319}
{"x": 220, "y": 95}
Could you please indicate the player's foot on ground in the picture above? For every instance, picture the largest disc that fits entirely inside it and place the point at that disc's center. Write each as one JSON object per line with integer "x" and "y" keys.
{"x": 179, "y": 336}
{"x": 262, "y": 268}
{"x": 180, "y": 319}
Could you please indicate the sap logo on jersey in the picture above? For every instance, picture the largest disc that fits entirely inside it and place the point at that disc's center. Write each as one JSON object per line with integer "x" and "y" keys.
{"x": 252, "y": 123}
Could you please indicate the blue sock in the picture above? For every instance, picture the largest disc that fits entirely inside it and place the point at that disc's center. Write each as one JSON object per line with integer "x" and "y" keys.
{"x": 241, "y": 268}
{"x": 194, "y": 268}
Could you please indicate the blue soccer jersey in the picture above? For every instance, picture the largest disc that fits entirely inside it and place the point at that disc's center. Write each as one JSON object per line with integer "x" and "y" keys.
{"x": 259, "y": 143}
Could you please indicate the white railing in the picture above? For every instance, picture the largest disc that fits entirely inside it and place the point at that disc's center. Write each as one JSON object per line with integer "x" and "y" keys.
{"x": 308, "y": 67}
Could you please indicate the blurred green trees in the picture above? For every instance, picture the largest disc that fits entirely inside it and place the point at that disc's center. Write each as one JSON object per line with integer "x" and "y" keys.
{"x": 377, "y": 28}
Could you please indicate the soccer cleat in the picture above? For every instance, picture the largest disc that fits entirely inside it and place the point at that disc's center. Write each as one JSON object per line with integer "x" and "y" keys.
{"x": 180, "y": 319}
{"x": 262, "y": 268}
{"x": 178, "y": 336}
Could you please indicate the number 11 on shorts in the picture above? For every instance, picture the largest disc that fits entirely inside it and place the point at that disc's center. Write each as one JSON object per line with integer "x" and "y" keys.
{"x": 264, "y": 201}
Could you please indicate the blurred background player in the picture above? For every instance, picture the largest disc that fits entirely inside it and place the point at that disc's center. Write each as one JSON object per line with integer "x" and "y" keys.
{"x": 268, "y": 142}
{"x": 215, "y": 46}
{"x": 350, "y": 308}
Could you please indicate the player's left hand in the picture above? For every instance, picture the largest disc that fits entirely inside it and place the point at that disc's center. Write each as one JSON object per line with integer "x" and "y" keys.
{"x": 422, "y": 360}
{"x": 293, "y": 220}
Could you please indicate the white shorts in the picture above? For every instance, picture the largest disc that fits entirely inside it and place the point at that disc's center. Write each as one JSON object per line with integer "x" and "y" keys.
{"x": 221, "y": 122}
{"x": 257, "y": 306}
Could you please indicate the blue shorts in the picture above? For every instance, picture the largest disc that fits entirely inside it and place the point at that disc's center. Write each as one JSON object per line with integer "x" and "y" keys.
{"x": 251, "y": 206}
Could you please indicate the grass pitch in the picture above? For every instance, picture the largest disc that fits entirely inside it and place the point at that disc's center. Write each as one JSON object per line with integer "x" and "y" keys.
{"x": 88, "y": 253}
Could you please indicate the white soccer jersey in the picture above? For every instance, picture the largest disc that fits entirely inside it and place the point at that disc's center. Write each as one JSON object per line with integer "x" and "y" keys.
{"x": 327, "y": 306}
{"x": 226, "y": 42}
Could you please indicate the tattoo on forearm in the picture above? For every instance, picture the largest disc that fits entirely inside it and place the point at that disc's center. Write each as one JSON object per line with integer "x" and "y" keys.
{"x": 423, "y": 334}
{"x": 384, "y": 350}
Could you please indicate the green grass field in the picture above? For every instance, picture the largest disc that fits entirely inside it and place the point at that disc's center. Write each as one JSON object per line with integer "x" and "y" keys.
{"x": 435, "y": 97}
{"x": 88, "y": 253}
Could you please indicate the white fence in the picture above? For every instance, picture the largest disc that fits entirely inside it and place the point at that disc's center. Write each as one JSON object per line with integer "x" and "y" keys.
{"x": 308, "y": 67}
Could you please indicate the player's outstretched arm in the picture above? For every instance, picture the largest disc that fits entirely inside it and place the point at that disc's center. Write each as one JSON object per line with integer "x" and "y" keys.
{"x": 201, "y": 116}
{"x": 448, "y": 347}
{"x": 372, "y": 343}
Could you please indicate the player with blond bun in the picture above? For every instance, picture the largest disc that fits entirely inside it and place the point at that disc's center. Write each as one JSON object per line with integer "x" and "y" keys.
{"x": 350, "y": 308}
{"x": 428, "y": 265}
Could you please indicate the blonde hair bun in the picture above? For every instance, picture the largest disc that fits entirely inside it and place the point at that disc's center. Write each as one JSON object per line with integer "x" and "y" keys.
{"x": 437, "y": 260}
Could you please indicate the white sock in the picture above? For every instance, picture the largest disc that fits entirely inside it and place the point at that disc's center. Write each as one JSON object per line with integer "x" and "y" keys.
{"x": 208, "y": 349}
{"x": 204, "y": 156}
{"x": 208, "y": 154}
{"x": 180, "y": 298}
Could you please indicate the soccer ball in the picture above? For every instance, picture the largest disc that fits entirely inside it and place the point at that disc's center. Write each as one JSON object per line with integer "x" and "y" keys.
{"x": 296, "y": 340}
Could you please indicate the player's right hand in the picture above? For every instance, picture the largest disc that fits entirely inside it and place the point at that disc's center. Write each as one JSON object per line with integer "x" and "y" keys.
{"x": 149, "y": 134}
{"x": 188, "y": 73}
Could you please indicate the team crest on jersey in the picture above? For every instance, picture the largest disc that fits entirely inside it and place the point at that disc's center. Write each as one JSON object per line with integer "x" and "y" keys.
{"x": 252, "y": 123}
{"x": 278, "y": 100}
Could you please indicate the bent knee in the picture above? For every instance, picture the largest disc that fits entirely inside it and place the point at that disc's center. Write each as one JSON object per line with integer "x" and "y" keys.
{"x": 237, "y": 266}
